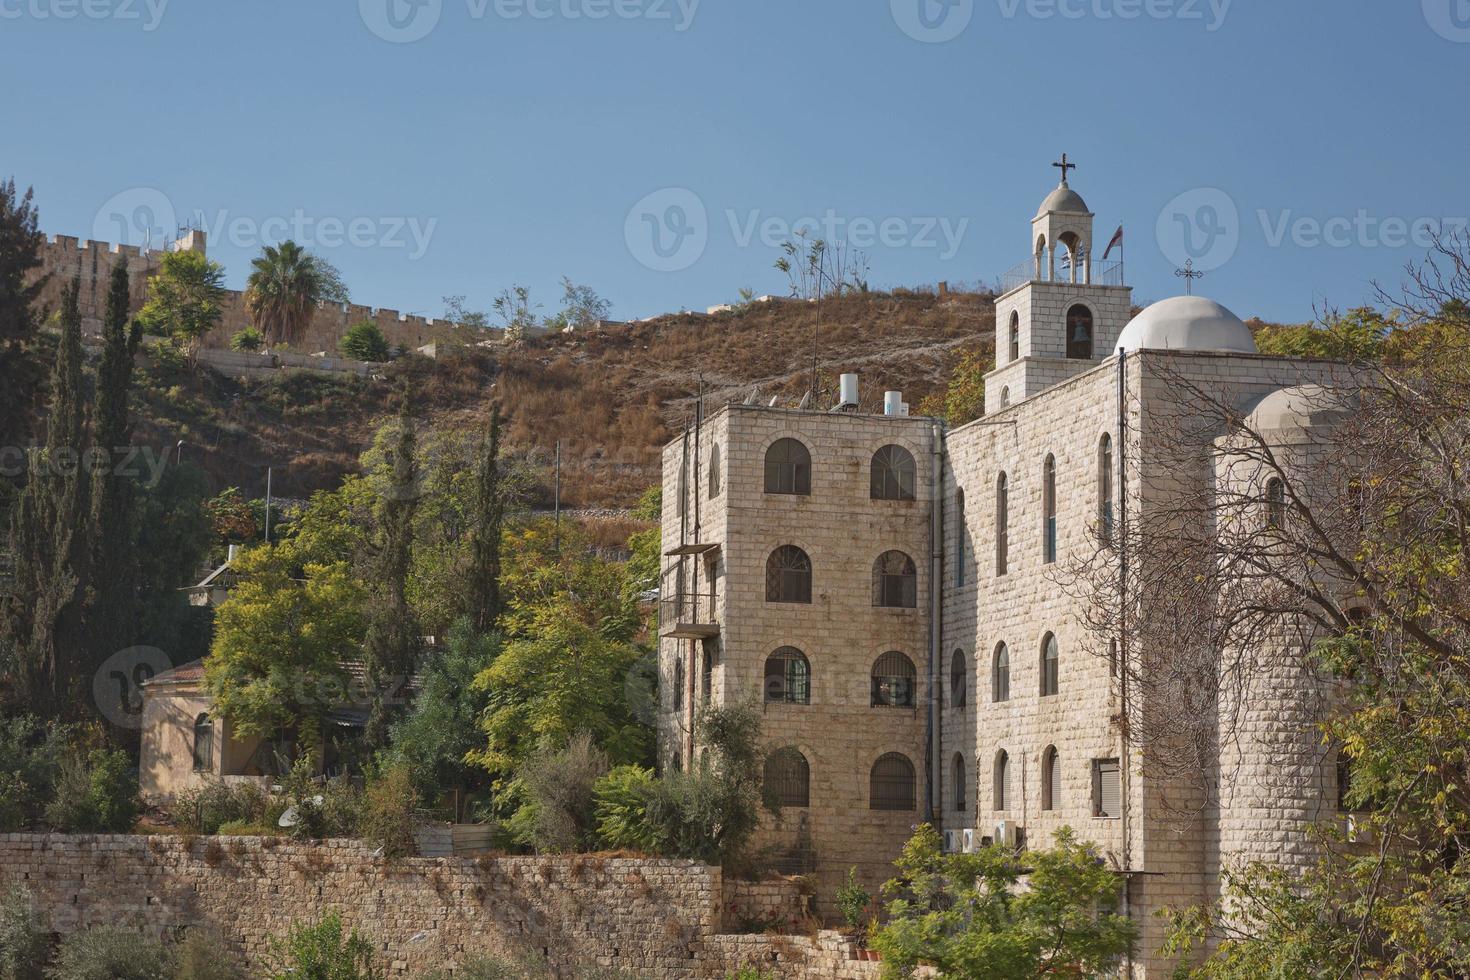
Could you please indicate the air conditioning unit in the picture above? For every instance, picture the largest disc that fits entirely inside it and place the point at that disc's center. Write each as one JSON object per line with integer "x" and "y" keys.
{"x": 1008, "y": 834}
{"x": 972, "y": 840}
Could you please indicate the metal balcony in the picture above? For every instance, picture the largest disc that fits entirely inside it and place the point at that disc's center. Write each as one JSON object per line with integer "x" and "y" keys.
{"x": 688, "y": 616}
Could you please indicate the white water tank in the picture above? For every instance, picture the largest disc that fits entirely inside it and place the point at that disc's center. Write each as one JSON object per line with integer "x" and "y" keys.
{"x": 849, "y": 391}
{"x": 893, "y": 404}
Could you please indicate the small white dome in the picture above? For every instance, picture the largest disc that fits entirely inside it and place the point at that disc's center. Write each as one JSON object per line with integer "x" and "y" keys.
{"x": 1063, "y": 199}
{"x": 1187, "y": 323}
{"x": 1305, "y": 406}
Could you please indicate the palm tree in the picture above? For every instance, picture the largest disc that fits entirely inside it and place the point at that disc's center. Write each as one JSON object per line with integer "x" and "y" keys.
{"x": 285, "y": 285}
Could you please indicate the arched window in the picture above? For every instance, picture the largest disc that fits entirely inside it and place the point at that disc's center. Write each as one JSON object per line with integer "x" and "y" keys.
{"x": 961, "y": 795}
{"x": 1051, "y": 779}
{"x": 1002, "y": 524}
{"x": 1275, "y": 503}
{"x": 961, "y": 536}
{"x": 715, "y": 475}
{"x": 1105, "y": 487}
{"x": 788, "y": 468}
{"x": 895, "y": 581}
{"x": 1015, "y": 337}
{"x": 1002, "y": 780}
{"x": 1050, "y": 663}
{"x": 1005, "y": 396}
{"x": 957, "y": 680}
{"x": 788, "y": 575}
{"x": 893, "y": 681}
{"x": 788, "y": 677}
{"x": 893, "y": 474}
{"x": 787, "y": 778}
{"x": 679, "y": 684}
{"x": 891, "y": 783}
{"x": 204, "y": 744}
{"x": 1000, "y": 675}
{"x": 1049, "y": 510}
{"x": 1079, "y": 333}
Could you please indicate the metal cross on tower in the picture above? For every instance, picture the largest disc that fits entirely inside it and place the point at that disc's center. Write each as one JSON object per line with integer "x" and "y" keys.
{"x": 1065, "y": 166}
{"x": 1189, "y": 274}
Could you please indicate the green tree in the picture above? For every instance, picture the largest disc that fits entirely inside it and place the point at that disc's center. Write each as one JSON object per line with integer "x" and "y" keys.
{"x": 109, "y": 953}
{"x": 280, "y": 642}
{"x": 286, "y": 283}
{"x": 185, "y": 298}
{"x": 43, "y": 624}
{"x": 581, "y": 308}
{"x": 516, "y": 312}
{"x": 966, "y": 915}
{"x": 364, "y": 341}
{"x": 173, "y": 540}
{"x": 1360, "y": 335}
{"x": 247, "y": 340}
{"x": 20, "y": 253}
{"x": 963, "y": 398}
{"x": 486, "y": 533}
{"x": 25, "y": 942}
{"x": 325, "y": 950}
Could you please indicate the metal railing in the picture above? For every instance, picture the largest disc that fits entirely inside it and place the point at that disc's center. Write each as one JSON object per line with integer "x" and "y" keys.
{"x": 1023, "y": 272}
{"x": 695, "y": 608}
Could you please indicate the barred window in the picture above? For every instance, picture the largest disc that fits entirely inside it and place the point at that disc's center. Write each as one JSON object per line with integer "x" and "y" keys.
{"x": 678, "y": 683}
{"x": 1049, "y": 510}
{"x": 1275, "y": 503}
{"x": 895, "y": 581}
{"x": 1000, "y": 675}
{"x": 957, "y": 679}
{"x": 788, "y": 468}
{"x": 1050, "y": 666}
{"x": 787, "y": 779}
{"x": 788, "y": 575}
{"x": 893, "y": 474}
{"x": 1002, "y": 524}
{"x": 1002, "y": 780}
{"x": 204, "y": 744}
{"x": 788, "y": 677}
{"x": 893, "y": 681}
{"x": 961, "y": 797}
{"x": 891, "y": 783}
{"x": 1051, "y": 779}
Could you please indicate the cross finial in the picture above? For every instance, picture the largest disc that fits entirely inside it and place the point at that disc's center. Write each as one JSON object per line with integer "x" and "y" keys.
{"x": 1065, "y": 166}
{"x": 1189, "y": 274}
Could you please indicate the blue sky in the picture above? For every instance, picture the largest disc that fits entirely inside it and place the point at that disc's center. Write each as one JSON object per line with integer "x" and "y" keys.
{"x": 519, "y": 141}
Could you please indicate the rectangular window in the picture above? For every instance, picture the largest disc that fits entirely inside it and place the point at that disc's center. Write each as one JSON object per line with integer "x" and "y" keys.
{"x": 1107, "y": 788}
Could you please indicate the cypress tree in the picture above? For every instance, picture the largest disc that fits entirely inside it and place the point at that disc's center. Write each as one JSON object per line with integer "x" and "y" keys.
{"x": 20, "y": 252}
{"x": 484, "y": 602}
{"x": 392, "y": 642}
{"x": 43, "y": 623}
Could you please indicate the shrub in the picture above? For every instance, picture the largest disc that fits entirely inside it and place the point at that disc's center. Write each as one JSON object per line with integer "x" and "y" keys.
{"x": 108, "y": 953}
{"x": 621, "y": 809}
{"x": 29, "y": 758}
{"x": 852, "y": 900}
{"x": 328, "y": 810}
{"x": 95, "y": 793}
{"x": 23, "y": 939}
{"x": 242, "y": 828}
{"x": 559, "y": 784}
{"x": 202, "y": 957}
{"x": 364, "y": 342}
{"x": 321, "y": 952}
{"x": 387, "y": 814}
{"x": 248, "y": 340}
{"x": 205, "y": 810}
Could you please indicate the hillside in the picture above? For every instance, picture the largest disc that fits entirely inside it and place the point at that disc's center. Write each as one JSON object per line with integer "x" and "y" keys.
{"x": 613, "y": 398}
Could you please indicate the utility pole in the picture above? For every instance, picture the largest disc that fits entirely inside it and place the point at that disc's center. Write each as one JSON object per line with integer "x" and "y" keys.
{"x": 557, "y": 497}
{"x": 268, "y": 505}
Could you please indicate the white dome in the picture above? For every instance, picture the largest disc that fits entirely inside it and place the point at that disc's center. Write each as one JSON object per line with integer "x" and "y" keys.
{"x": 1187, "y": 323}
{"x": 1306, "y": 406}
{"x": 1063, "y": 199}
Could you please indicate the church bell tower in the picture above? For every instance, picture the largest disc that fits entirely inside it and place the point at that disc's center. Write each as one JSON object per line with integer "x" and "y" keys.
{"x": 1060, "y": 312}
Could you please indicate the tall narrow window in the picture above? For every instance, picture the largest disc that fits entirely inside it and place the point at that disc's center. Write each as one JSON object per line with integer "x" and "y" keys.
{"x": 1344, "y": 780}
{"x": 789, "y": 575}
{"x": 957, "y": 680}
{"x": 961, "y": 797}
{"x": 787, "y": 778}
{"x": 788, "y": 677}
{"x": 204, "y": 744}
{"x": 891, "y": 783}
{"x": 895, "y": 581}
{"x": 1107, "y": 788}
{"x": 715, "y": 475}
{"x": 893, "y": 474}
{"x": 961, "y": 534}
{"x": 893, "y": 681}
{"x": 1014, "y": 343}
{"x": 706, "y": 673}
{"x": 1051, "y": 779}
{"x": 1002, "y": 780}
{"x": 678, "y": 683}
{"x": 1275, "y": 503}
{"x": 1049, "y": 510}
{"x": 684, "y": 485}
{"x": 788, "y": 468}
{"x": 1050, "y": 657}
{"x": 1000, "y": 675}
{"x": 1105, "y": 488}
{"x": 1002, "y": 524}
{"x": 1079, "y": 333}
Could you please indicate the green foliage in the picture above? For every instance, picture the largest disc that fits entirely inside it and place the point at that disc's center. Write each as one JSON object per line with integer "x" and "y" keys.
{"x": 558, "y": 785}
{"x": 364, "y": 341}
{"x": 21, "y": 241}
{"x": 247, "y": 340}
{"x": 1360, "y": 335}
{"x": 330, "y": 809}
{"x": 95, "y": 794}
{"x": 581, "y": 308}
{"x": 963, "y": 399}
{"x": 286, "y": 283}
{"x": 108, "y": 953}
{"x": 621, "y": 810}
{"x": 645, "y": 562}
{"x": 202, "y": 957}
{"x": 185, "y": 297}
{"x": 323, "y": 951}
{"x": 965, "y": 914}
{"x": 30, "y": 755}
{"x": 853, "y": 900}
{"x": 24, "y": 940}
{"x": 209, "y": 808}
{"x": 387, "y": 816}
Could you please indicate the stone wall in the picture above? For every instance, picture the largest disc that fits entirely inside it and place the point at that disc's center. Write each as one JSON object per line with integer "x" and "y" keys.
{"x": 642, "y": 917}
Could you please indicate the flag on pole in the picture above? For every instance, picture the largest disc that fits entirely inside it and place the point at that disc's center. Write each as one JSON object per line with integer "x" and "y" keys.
{"x": 1117, "y": 242}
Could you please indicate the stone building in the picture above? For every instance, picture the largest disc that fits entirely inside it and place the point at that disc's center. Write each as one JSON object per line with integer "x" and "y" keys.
{"x": 891, "y": 591}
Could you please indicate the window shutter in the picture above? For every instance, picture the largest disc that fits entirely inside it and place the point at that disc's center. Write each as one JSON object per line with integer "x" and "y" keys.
{"x": 1109, "y": 789}
{"x": 1054, "y": 780}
